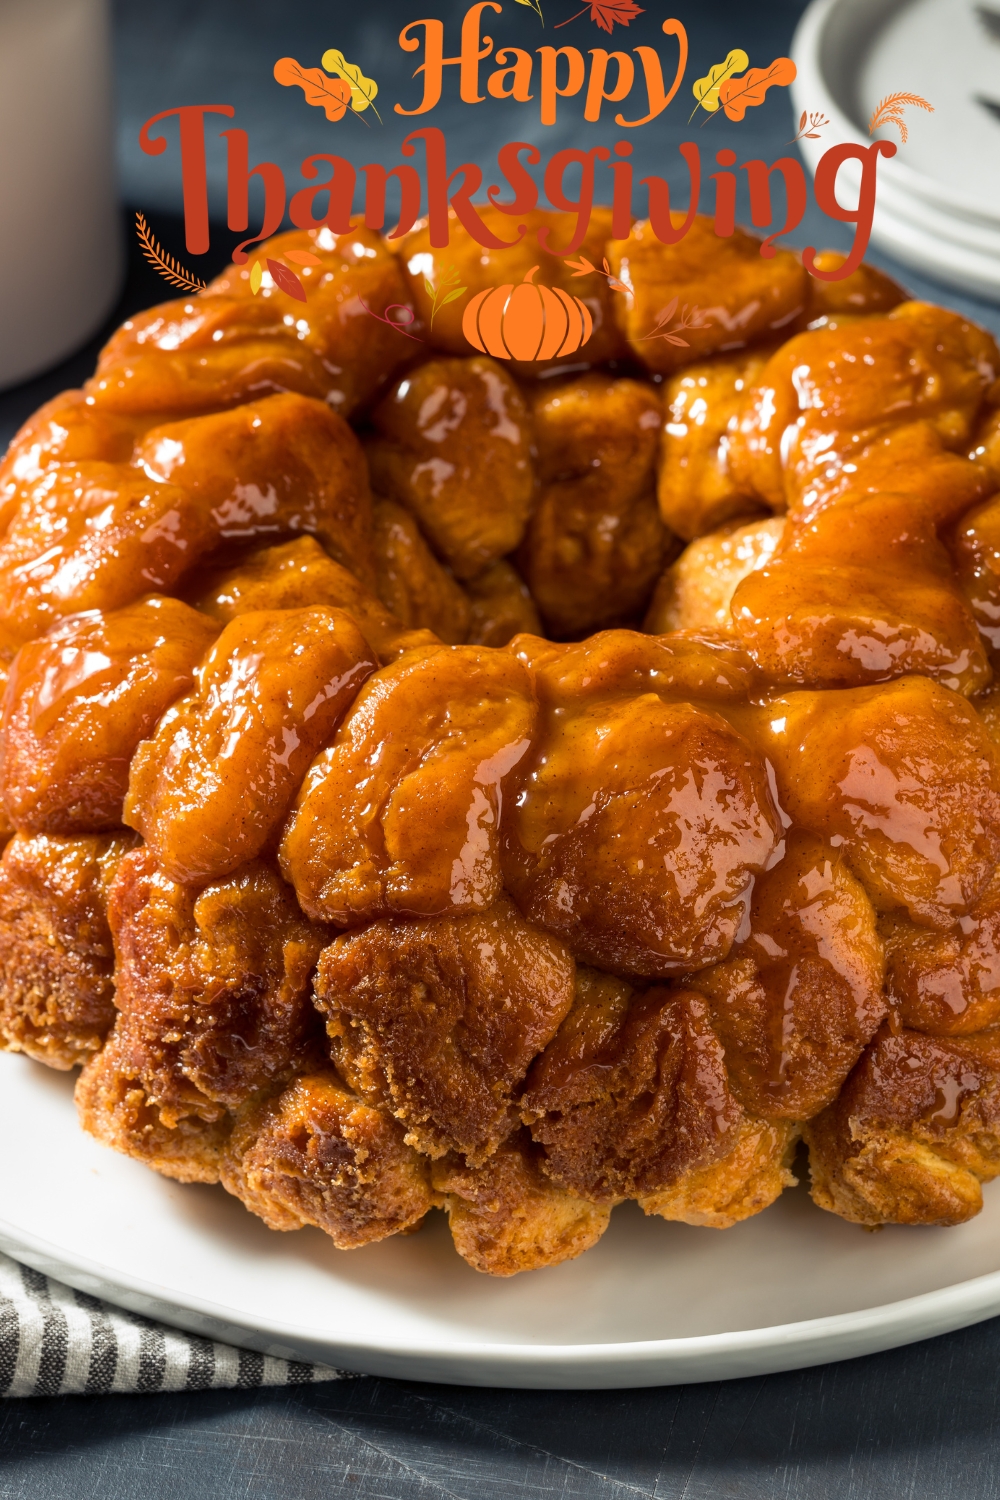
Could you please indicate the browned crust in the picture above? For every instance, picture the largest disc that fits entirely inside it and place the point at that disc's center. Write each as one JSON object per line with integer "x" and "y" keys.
{"x": 315, "y": 1154}
{"x": 508, "y": 1216}
{"x": 749, "y": 1179}
{"x": 114, "y": 1105}
{"x": 56, "y": 958}
{"x": 913, "y": 1133}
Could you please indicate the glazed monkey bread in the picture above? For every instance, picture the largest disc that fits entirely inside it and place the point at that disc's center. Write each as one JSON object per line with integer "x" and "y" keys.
{"x": 432, "y": 780}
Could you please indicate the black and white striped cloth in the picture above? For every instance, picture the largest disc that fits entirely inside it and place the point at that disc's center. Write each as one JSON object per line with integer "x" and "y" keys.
{"x": 58, "y": 1342}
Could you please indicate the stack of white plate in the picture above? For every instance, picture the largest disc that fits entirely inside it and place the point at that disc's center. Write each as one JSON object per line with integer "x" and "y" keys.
{"x": 938, "y": 200}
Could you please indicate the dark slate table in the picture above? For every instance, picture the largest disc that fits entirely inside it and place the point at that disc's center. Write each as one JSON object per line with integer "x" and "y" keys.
{"x": 921, "y": 1423}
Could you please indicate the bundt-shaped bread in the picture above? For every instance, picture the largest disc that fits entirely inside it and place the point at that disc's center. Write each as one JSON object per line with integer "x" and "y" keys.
{"x": 435, "y": 781}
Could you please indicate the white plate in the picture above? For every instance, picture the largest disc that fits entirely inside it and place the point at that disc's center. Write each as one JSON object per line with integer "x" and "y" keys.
{"x": 652, "y": 1304}
{"x": 938, "y": 202}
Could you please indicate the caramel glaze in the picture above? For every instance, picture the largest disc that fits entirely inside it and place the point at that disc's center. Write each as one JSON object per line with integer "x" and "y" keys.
{"x": 479, "y": 268}
{"x": 228, "y": 346}
{"x": 418, "y": 914}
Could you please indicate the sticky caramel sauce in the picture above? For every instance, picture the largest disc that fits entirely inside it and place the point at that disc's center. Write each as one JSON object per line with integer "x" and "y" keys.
{"x": 620, "y": 903}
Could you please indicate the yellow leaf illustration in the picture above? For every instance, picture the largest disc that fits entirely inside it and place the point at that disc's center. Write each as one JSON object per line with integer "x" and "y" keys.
{"x": 536, "y": 6}
{"x": 256, "y": 276}
{"x": 706, "y": 90}
{"x": 363, "y": 90}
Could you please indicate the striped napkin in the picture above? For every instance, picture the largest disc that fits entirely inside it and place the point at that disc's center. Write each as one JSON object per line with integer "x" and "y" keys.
{"x": 58, "y": 1342}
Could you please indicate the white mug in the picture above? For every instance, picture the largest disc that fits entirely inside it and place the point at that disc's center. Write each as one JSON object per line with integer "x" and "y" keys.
{"x": 61, "y": 259}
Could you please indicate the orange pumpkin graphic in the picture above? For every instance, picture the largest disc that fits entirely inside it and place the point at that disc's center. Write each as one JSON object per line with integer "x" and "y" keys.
{"x": 527, "y": 321}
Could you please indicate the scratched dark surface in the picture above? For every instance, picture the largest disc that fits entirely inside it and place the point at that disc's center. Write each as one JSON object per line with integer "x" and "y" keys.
{"x": 916, "y": 1424}
{"x": 921, "y": 1423}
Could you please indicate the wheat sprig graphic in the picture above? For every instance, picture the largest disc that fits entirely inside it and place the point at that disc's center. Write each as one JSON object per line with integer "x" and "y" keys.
{"x": 889, "y": 111}
{"x": 167, "y": 266}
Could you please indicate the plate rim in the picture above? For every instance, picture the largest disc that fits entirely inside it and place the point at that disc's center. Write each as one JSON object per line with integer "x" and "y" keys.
{"x": 809, "y": 53}
{"x": 692, "y": 1359}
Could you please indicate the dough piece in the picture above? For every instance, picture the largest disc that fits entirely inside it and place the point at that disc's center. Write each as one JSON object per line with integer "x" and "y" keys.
{"x": 212, "y": 787}
{"x": 904, "y": 779}
{"x": 212, "y": 985}
{"x": 696, "y": 489}
{"x": 56, "y": 957}
{"x": 590, "y": 567}
{"x": 985, "y": 449}
{"x": 226, "y": 346}
{"x": 412, "y": 583}
{"x": 946, "y": 983}
{"x": 632, "y": 1093}
{"x": 454, "y": 447}
{"x": 284, "y": 464}
{"x": 742, "y": 1183}
{"x": 317, "y": 1155}
{"x": 501, "y": 606}
{"x": 599, "y": 427}
{"x": 800, "y": 997}
{"x": 95, "y": 536}
{"x": 696, "y": 591}
{"x": 859, "y": 592}
{"x": 914, "y": 1133}
{"x": 116, "y": 1104}
{"x": 865, "y": 293}
{"x": 507, "y": 1216}
{"x": 400, "y": 815}
{"x": 69, "y": 429}
{"x": 825, "y": 406}
{"x": 80, "y": 701}
{"x": 437, "y": 1021}
{"x": 299, "y": 575}
{"x": 741, "y": 299}
{"x": 975, "y": 549}
{"x": 595, "y": 542}
{"x": 641, "y": 817}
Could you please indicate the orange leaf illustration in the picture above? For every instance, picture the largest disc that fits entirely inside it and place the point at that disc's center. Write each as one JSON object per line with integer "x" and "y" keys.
{"x": 167, "y": 266}
{"x": 302, "y": 258}
{"x": 286, "y": 280}
{"x": 889, "y": 111}
{"x": 332, "y": 95}
{"x": 608, "y": 13}
{"x": 737, "y": 95}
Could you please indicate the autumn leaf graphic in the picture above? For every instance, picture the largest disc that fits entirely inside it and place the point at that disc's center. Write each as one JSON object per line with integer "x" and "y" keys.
{"x": 363, "y": 90}
{"x": 706, "y": 90}
{"x": 607, "y": 13}
{"x": 332, "y": 95}
{"x": 810, "y": 125}
{"x": 584, "y": 267}
{"x": 447, "y": 292}
{"x": 889, "y": 111}
{"x": 669, "y": 331}
{"x": 168, "y": 267}
{"x": 536, "y": 6}
{"x": 737, "y": 95}
{"x": 286, "y": 280}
